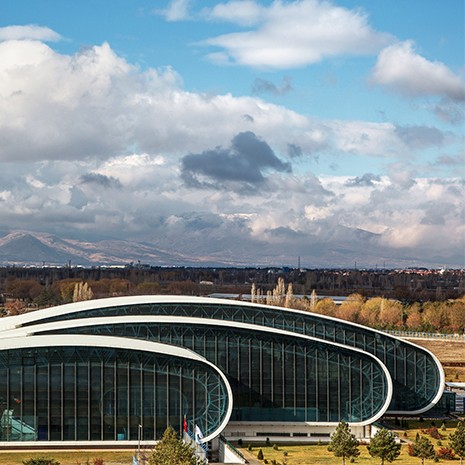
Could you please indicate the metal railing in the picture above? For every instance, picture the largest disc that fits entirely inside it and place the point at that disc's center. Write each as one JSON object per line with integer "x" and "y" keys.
{"x": 425, "y": 335}
{"x": 232, "y": 448}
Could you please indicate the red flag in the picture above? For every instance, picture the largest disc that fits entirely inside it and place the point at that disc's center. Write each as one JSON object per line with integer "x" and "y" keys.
{"x": 185, "y": 424}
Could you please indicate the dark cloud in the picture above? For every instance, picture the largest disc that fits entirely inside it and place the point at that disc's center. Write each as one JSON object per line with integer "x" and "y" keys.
{"x": 366, "y": 180}
{"x": 450, "y": 160}
{"x": 449, "y": 111}
{"x": 101, "y": 180}
{"x": 420, "y": 137}
{"x": 294, "y": 151}
{"x": 245, "y": 162}
{"x": 262, "y": 86}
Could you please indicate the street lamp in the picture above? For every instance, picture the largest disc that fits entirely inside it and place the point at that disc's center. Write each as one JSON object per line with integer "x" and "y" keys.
{"x": 139, "y": 437}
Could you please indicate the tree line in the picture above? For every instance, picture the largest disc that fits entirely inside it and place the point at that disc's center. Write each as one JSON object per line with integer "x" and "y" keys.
{"x": 448, "y": 316}
{"x": 378, "y": 312}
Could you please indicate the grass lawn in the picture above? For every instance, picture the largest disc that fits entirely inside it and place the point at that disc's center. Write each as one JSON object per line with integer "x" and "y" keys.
{"x": 296, "y": 454}
{"x": 69, "y": 457}
{"x": 319, "y": 455}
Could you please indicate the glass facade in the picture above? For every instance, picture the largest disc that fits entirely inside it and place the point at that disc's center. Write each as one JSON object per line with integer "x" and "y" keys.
{"x": 415, "y": 374}
{"x": 103, "y": 394}
{"x": 274, "y": 377}
{"x": 208, "y": 360}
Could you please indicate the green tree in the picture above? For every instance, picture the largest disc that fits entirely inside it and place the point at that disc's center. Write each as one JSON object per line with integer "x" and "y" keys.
{"x": 457, "y": 440}
{"x": 343, "y": 443}
{"x": 171, "y": 450}
{"x": 423, "y": 448}
{"x": 384, "y": 445}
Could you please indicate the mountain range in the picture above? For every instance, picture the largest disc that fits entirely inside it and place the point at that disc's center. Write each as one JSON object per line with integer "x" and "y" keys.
{"x": 37, "y": 249}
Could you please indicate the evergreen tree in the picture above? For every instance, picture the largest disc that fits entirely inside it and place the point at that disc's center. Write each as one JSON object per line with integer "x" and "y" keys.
{"x": 343, "y": 443}
{"x": 423, "y": 448}
{"x": 457, "y": 440}
{"x": 172, "y": 450}
{"x": 384, "y": 445}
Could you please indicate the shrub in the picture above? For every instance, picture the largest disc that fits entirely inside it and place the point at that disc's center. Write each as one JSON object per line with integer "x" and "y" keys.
{"x": 434, "y": 433}
{"x": 285, "y": 453}
{"x": 411, "y": 450}
{"x": 260, "y": 455}
{"x": 275, "y": 447}
{"x": 41, "y": 461}
{"x": 98, "y": 461}
{"x": 268, "y": 443}
{"x": 249, "y": 447}
{"x": 445, "y": 453}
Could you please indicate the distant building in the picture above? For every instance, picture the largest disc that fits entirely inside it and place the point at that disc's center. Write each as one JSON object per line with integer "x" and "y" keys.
{"x": 111, "y": 371}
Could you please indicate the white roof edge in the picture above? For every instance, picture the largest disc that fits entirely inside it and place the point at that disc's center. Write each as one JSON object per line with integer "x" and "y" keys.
{"x": 12, "y": 322}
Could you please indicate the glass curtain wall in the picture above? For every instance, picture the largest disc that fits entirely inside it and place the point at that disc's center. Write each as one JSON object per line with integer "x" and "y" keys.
{"x": 275, "y": 377}
{"x": 96, "y": 394}
{"x": 415, "y": 375}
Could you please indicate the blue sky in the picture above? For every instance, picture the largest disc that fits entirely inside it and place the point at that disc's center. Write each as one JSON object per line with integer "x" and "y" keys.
{"x": 330, "y": 130}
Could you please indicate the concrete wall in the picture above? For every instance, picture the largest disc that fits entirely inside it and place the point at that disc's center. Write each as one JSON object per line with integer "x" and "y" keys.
{"x": 287, "y": 432}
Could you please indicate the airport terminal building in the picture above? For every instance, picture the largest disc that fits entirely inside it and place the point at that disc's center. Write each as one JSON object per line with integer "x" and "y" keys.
{"x": 120, "y": 370}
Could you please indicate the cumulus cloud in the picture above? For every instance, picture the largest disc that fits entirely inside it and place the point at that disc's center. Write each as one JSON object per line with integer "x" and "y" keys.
{"x": 271, "y": 45}
{"x": 367, "y": 179}
{"x": 74, "y": 126}
{"x": 29, "y": 32}
{"x": 402, "y": 70}
{"x": 245, "y": 162}
{"x": 95, "y": 104}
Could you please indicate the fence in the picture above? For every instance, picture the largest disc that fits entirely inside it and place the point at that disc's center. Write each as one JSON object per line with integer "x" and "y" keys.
{"x": 424, "y": 335}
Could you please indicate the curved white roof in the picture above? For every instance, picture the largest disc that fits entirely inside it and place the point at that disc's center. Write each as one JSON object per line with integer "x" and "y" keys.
{"x": 13, "y": 322}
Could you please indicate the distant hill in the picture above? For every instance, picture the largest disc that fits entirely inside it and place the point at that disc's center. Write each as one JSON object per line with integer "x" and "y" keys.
{"x": 342, "y": 248}
{"x": 25, "y": 248}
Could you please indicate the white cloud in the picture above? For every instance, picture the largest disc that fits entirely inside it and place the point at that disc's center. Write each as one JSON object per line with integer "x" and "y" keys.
{"x": 177, "y": 10}
{"x": 403, "y": 70}
{"x": 94, "y": 117}
{"x": 293, "y": 34}
{"x": 243, "y": 12}
{"x": 29, "y": 32}
{"x": 95, "y": 104}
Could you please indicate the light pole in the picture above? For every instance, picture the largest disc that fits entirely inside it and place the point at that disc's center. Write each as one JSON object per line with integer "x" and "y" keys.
{"x": 139, "y": 437}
